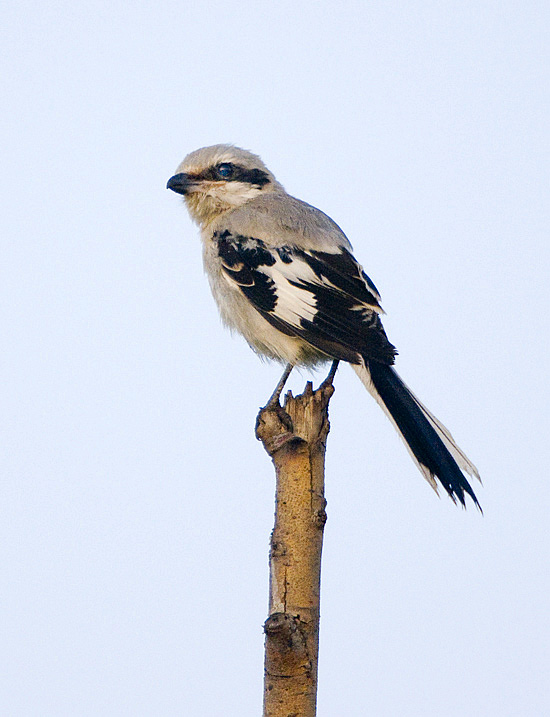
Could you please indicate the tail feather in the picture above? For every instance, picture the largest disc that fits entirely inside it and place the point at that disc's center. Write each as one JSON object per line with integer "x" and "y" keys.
{"x": 428, "y": 441}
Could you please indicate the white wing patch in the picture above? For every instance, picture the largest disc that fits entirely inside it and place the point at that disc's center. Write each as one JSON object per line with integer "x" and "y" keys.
{"x": 293, "y": 303}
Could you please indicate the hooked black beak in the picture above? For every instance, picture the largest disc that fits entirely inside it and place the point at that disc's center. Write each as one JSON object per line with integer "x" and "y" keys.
{"x": 179, "y": 183}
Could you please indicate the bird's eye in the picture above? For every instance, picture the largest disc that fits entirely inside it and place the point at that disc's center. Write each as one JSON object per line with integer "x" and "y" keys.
{"x": 225, "y": 170}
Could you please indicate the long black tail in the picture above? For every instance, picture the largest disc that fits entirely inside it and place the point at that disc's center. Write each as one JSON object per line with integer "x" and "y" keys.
{"x": 428, "y": 441}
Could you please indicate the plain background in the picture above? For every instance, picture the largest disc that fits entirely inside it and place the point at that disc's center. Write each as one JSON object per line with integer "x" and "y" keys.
{"x": 135, "y": 502}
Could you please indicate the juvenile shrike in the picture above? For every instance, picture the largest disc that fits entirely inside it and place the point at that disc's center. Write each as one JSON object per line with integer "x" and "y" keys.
{"x": 283, "y": 275}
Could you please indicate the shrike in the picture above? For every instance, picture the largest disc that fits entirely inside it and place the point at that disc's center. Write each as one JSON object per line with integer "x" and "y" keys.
{"x": 283, "y": 276}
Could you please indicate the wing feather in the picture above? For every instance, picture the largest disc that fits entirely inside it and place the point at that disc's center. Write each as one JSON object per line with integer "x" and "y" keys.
{"x": 325, "y": 298}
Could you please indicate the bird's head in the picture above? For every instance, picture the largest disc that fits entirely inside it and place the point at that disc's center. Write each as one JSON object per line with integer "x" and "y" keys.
{"x": 220, "y": 178}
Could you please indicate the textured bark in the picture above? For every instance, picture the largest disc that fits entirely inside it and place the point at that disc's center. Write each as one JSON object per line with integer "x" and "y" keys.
{"x": 295, "y": 438}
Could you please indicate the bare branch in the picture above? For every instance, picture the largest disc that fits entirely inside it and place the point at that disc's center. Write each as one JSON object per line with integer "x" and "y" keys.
{"x": 295, "y": 438}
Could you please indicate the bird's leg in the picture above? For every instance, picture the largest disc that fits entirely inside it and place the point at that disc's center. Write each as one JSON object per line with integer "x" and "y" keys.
{"x": 331, "y": 374}
{"x": 274, "y": 399}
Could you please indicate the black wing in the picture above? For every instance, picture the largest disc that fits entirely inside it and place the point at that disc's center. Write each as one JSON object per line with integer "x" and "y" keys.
{"x": 324, "y": 298}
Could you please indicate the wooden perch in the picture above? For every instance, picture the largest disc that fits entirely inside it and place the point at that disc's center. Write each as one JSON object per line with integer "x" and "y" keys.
{"x": 295, "y": 438}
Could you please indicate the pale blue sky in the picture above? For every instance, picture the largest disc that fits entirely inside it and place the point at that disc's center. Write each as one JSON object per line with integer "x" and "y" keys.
{"x": 136, "y": 504}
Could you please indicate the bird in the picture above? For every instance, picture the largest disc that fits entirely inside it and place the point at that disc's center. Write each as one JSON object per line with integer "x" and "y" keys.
{"x": 283, "y": 275}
